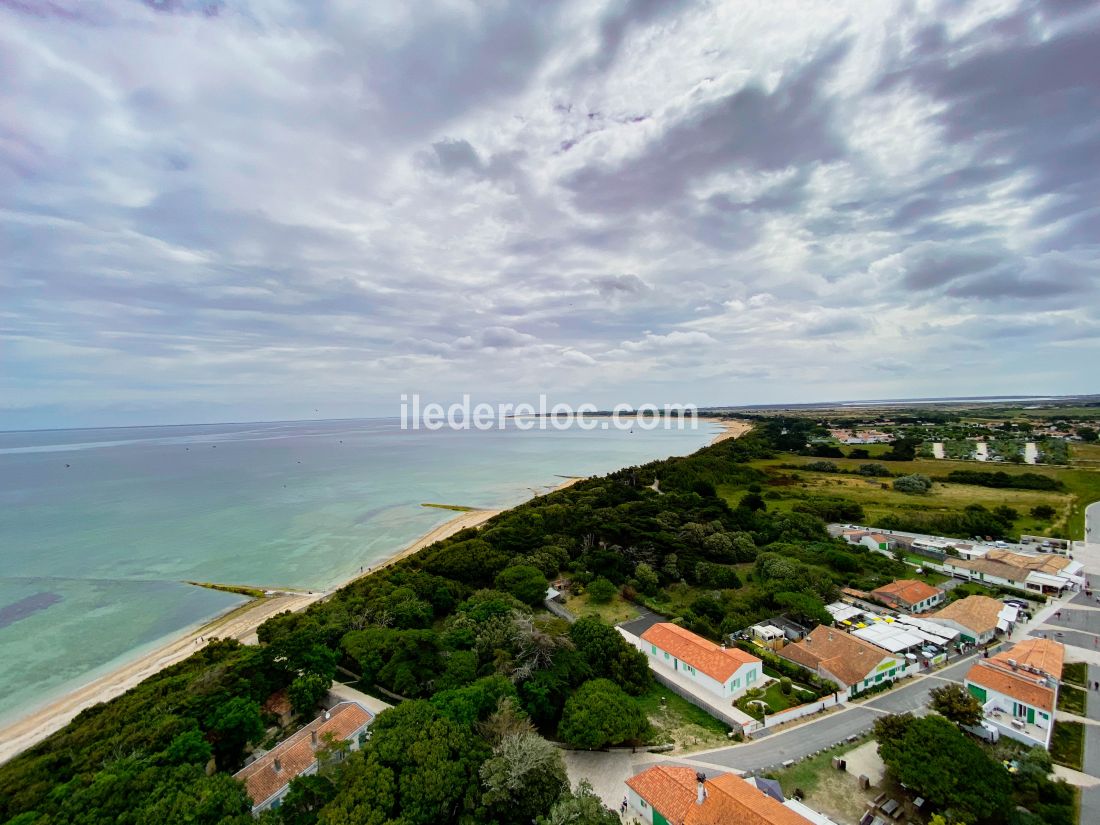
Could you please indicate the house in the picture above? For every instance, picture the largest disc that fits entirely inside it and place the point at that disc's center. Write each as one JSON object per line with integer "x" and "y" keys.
{"x": 724, "y": 672}
{"x": 977, "y": 618}
{"x": 1018, "y": 689}
{"x": 1047, "y": 573}
{"x": 667, "y": 795}
{"x": 852, "y": 663}
{"x": 268, "y": 778}
{"x": 872, "y": 541}
{"x": 909, "y": 595}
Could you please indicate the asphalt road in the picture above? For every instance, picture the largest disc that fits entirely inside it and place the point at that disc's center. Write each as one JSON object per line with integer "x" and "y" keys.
{"x": 1092, "y": 524}
{"x": 809, "y": 738}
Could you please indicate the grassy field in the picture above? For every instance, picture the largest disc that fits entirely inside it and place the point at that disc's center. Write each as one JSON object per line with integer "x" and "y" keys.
{"x": 681, "y": 722}
{"x": 1075, "y": 673}
{"x": 1082, "y": 488}
{"x": 1067, "y": 745}
{"x": 615, "y": 611}
{"x": 1085, "y": 455}
{"x": 1072, "y": 700}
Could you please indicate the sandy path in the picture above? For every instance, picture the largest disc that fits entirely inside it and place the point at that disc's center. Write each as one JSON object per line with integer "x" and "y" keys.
{"x": 732, "y": 429}
{"x": 240, "y": 623}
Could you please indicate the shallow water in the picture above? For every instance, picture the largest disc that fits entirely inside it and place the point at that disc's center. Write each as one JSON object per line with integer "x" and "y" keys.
{"x": 99, "y": 528}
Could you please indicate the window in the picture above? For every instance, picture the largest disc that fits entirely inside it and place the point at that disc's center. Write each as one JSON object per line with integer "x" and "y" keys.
{"x": 654, "y": 649}
{"x": 643, "y": 804}
{"x": 666, "y": 654}
{"x": 750, "y": 677}
{"x": 735, "y": 683}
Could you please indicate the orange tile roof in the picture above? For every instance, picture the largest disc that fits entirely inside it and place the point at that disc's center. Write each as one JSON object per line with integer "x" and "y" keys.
{"x": 846, "y": 657}
{"x": 717, "y": 662}
{"x": 906, "y": 591}
{"x": 978, "y": 613}
{"x": 1020, "y": 685}
{"x": 673, "y": 792}
{"x": 1039, "y": 654}
{"x": 296, "y": 754}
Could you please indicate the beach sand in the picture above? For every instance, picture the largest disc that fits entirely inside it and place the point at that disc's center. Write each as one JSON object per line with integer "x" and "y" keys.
{"x": 240, "y": 623}
{"x": 731, "y": 429}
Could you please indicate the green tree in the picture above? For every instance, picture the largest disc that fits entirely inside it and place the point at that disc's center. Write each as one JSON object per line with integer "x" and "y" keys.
{"x": 306, "y": 691}
{"x": 648, "y": 582}
{"x": 1087, "y": 434}
{"x": 234, "y": 724}
{"x": 935, "y": 759}
{"x": 522, "y": 778}
{"x": 915, "y": 483}
{"x": 1043, "y": 512}
{"x": 366, "y": 793}
{"x": 600, "y": 714}
{"x": 601, "y": 591}
{"x": 609, "y": 655}
{"x": 305, "y": 798}
{"x": 525, "y": 582}
{"x": 954, "y": 702}
{"x": 190, "y": 747}
{"x": 580, "y": 806}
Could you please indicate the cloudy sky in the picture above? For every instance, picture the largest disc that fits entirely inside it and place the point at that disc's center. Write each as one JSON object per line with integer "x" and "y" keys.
{"x": 258, "y": 209}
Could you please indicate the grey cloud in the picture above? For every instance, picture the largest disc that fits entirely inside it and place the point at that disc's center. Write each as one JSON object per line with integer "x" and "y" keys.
{"x": 626, "y": 284}
{"x": 749, "y": 128}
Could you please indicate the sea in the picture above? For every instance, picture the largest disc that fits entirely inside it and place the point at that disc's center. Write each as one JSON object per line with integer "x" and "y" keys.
{"x": 101, "y": 528}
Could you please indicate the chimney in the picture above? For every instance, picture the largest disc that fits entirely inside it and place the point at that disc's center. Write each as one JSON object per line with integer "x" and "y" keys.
{"x": 278, "y": 765}
{"x": 701, "y": 788}
{"x": 313, "y": 739}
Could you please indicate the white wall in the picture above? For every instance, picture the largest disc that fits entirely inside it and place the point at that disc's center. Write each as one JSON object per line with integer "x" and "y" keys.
{"x": 737, "y": 684}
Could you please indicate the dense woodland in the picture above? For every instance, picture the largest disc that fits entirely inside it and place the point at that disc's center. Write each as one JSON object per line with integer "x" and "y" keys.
{"x": 458, "y": 631}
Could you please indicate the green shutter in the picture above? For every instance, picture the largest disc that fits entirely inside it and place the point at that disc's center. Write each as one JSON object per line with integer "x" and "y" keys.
{"x": 658, "y": 819}
{"x": 1031, "y": 716}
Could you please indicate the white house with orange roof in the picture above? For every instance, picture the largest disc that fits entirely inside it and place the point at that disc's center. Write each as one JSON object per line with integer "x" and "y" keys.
{"x": 1018, "y": 689}
{"x": 267, "y": 779}
{"x": 673, "y": 795}
{"x": 724, "y": 672}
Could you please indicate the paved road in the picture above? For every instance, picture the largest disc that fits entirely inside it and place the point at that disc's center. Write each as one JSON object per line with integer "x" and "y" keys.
{"x": 1069, "y": 637}
{"x": 1092, "y": 525}
{"x": 809, "y": 738}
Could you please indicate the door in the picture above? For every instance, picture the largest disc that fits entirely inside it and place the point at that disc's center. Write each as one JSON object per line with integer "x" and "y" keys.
{"x": 1031, "y": 716}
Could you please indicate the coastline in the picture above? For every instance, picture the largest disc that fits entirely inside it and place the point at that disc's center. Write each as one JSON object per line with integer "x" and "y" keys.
{"x": 730, "y": 429}
{"x": 240, "y": 623}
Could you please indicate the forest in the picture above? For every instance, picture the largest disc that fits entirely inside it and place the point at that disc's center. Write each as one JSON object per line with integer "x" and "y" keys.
{"x": 487, "y": 678}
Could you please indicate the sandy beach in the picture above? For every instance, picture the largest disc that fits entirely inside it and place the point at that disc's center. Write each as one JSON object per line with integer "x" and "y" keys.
{"x": 240, "y": 623}
{"x": 731, "y": 429}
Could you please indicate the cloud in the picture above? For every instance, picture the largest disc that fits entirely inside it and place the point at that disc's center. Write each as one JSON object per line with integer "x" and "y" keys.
{"x": 723, "y": 203}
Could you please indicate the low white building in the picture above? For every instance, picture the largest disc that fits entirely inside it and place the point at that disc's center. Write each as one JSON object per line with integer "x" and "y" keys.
{"x": 1018, "y": 689}
{"x": 724, "y": 672}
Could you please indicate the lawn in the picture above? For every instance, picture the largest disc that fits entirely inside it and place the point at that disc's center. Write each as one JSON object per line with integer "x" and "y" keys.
{"x": 1076, "y": 673}
{"x": 1082, "y": 488}
{"x": 615, "y": 611}
{"x": 1067, "y": 745}
{"x": 1072, "y": 700}
{"x": 679, "y": 721}
{"x": 825, "y": 788}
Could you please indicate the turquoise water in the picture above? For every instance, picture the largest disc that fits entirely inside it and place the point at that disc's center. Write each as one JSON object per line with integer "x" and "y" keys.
{"x": 98, "y": 528}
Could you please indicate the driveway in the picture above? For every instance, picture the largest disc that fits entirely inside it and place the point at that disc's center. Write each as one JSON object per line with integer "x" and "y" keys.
{"x": 644, "y": 621}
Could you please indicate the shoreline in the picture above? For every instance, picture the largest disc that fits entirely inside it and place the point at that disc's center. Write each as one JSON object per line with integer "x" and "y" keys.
{"x": 730, "y": 429}
{"x": 240, "y": 623}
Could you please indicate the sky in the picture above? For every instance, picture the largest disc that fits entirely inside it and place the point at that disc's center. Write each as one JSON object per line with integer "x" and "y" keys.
{"x": 220, "y": 210}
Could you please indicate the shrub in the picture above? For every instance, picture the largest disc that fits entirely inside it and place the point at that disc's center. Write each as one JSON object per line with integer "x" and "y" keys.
{"x": 915, "y": 483}
{"x": 601, "y": 591}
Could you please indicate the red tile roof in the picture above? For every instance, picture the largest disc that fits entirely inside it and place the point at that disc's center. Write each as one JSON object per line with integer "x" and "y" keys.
{"x": 673, "y": 792}
{"x": 1038, "y": 654}
{"x": 296, "y": 754}
{"x": 717, "y": 662}
{"x": 905, "y": 591}
{"x": 1020, "y": 685}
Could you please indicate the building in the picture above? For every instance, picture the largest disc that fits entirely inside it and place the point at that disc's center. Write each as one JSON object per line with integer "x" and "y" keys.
{"x": 909, "y": 595}
{"x": 267, "y": 778}
{"x": 666, "y": 795}
{"x": 977, "y": 618}
{"x": 722, "y": 671}
{"x": 870, "y": 540}
{"x": 855, "y": 665}
{"x": 1046, "y": 573}
{"x": 1018, "y": 689}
